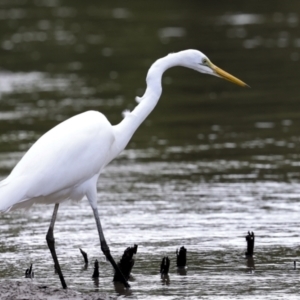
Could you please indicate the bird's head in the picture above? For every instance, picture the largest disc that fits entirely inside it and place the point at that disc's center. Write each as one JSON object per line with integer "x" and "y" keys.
{"x": 198, "y": 61}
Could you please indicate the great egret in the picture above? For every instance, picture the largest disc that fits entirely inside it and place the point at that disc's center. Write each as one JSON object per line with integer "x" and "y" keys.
{"x": 65, "y": 163}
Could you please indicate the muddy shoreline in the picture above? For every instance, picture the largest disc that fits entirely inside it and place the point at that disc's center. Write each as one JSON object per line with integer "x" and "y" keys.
{"x": 28, "y": 290}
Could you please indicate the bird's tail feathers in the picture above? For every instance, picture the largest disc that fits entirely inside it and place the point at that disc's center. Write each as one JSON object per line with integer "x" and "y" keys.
{"x": 11, "y": 193}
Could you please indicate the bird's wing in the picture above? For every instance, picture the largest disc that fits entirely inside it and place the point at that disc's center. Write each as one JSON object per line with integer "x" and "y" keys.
{"x": 64, "y": 157}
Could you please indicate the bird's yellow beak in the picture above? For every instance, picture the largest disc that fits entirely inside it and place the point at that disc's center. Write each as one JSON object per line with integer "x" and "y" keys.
{"x": 227, "y": 76}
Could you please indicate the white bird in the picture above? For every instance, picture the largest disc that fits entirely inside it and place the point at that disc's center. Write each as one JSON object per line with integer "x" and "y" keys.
{"x": 66, "y": 162}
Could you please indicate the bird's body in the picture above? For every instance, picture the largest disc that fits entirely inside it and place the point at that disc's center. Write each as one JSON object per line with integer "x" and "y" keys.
{"x": 65, "y": 163}
{"x": 62, "y": 164}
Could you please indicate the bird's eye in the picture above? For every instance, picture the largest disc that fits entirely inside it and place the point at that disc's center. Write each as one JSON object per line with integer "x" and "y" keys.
{"x": 204, "y": 61}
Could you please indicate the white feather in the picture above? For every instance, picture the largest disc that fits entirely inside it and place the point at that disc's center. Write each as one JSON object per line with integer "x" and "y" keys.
{"x": 125, "y": 113}
{"x": 138, "y": 99}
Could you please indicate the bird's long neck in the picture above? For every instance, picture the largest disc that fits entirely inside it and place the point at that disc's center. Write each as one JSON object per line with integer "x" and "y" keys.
{"x": 132, "y": 120}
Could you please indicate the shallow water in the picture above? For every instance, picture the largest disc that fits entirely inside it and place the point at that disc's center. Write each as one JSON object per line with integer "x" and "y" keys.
{"x": 210, "y": 163}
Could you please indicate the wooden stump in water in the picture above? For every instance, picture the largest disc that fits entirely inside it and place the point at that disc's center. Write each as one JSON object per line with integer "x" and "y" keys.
{"x": 96, "y": 270}
{"x": 181, "y": 257}
{"x": 85, "y": 257}
{"x": 164, "y": 266}
{"x": 29, "y": 273}
{"x": 250, "y": 244}
{"x": 126, "y": 263}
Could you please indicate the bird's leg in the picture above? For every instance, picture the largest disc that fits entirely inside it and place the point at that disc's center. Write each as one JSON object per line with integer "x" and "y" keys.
{"x": 51, "y": 245}
{"x": 105, "y": 248}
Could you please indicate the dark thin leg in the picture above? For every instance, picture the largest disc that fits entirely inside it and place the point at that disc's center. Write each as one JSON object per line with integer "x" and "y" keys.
{"x": 51, "y": 244}
{"x": 105, "y": 248}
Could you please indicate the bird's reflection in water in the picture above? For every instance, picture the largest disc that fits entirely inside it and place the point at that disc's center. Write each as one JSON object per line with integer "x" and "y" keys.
{"x": 121, "y": 290}
{"x": 96, "y": 282}
{"x": 250, "y": 264}
{"x": 181, "y": 270}
{"x": 165, "y": 279}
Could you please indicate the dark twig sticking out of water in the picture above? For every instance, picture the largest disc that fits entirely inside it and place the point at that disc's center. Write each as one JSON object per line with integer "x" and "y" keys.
{"x": 85, "y": 257}
{"x": 250, "y": 244}
{"x": 164, "y": 266}
{"x": 181, "y": 257}
{"x": 126, "y": 263}
{"x": 164, "y": 270}
{"x": 295, "y": 265}
{"x": 29, "y": 273}
{"x": 96, "y": 270}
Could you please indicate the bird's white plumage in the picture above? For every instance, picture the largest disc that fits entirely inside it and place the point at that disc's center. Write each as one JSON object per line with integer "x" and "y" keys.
{"x": 61, "y": 161}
